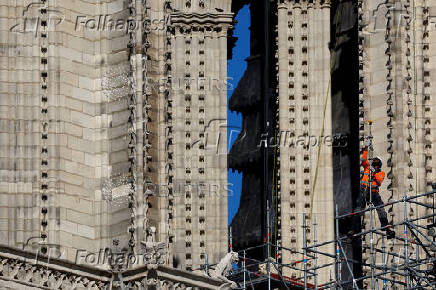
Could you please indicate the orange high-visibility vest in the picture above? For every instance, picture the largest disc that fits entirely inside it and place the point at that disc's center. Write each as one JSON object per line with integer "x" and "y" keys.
{"x": 377, "y": 178}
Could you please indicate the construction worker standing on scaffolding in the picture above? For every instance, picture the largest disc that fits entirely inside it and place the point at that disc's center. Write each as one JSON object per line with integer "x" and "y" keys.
{"x": 371, "y": 180}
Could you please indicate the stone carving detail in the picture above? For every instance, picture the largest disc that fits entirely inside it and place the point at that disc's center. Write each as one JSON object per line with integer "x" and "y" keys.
{"x": 132, "y": 103}
{"x": 426, "y": 99}
{"x": 224, "y": 268}
{"x": 41, "y": 276}
{"x": 152, "y": 281}
{"x": 154, "y": 252}
{"x": 45, "y": 119}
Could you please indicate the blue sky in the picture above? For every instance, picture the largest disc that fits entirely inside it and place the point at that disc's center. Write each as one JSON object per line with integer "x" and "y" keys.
{"x": 235, "y": 69}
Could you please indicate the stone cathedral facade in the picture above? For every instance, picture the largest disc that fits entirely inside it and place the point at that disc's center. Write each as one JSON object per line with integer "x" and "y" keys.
{"x": 306, "y": 175}
{"x": 392, "y": 42}
{"x": 396, "y": 70}
{"x": 113, "y": 125}
{"x": 339, "y": 64}
{"x": 109, "y": 115}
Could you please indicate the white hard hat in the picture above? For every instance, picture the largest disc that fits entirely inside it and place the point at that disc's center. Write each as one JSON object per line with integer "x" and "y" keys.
{"x": 381, "y": 160}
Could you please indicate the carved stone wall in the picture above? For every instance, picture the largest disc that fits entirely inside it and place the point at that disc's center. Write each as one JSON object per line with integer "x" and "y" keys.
{"x": 78, "y": 124}
{"x": 96, "y": 120}
{"x": 21, "y": 270}
{"x": 306, "y": 180}
{"x": 395, "y": 43}
{"x": 199, "y": 91}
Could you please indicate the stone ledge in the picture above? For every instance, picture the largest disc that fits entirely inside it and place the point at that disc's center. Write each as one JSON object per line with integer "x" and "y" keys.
{"x": 18, "y": 263}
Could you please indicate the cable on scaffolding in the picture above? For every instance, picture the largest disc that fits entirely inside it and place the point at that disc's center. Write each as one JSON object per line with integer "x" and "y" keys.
{"x": 332, "y": 59}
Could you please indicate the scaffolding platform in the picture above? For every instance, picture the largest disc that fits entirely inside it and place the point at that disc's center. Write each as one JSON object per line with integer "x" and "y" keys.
{"x": 407, "y": 262}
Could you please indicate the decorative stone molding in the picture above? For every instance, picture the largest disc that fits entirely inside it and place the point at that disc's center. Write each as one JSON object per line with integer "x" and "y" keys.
{"x": 45, "y": 128}
{"x": 198, "y": 20}
{"x": 18, "y": 270}
{"x": 154, "y": 252}
{"x": 304, "y": 98}
{"x": 20, "y": 267}
{"x": 98, "y": 134}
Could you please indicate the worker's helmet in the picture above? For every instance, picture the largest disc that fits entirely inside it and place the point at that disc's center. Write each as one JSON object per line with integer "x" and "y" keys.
{"x": 377, "y": 161}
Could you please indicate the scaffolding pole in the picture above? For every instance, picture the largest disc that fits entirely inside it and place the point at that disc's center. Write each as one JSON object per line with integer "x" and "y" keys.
{"x": 305, "y": 250}
{"x": 315, "y": 263}
{"x": 406, "y": 271}
{"x": 371, "y": 212}
{"x": 338, "y": 253}
{"x": 268, "y": 248}
{"x": 406, "y": 245}
{"x": 244, "y": 268}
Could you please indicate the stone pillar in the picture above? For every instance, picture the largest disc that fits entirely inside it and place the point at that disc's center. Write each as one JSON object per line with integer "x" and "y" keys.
{"x": 305, "y": 125}
{"x": 200, "y": 114}
{"x": 103, "y": 146}
{"x": 77, "y": 123}
{"x": 20, "y": 123}
{"x": 395, "y": 42}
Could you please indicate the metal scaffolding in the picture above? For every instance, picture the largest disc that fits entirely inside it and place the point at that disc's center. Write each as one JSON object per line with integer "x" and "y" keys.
{"x": 406, "y": 261}
{"x": 407, "y": 269}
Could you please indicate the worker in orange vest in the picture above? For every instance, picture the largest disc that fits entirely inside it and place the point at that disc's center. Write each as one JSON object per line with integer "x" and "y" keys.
{"x": 376, "y": 179}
